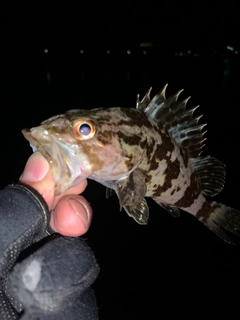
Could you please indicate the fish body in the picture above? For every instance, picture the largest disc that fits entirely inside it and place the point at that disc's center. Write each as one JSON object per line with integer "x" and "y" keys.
{"x": 153, "y": 150}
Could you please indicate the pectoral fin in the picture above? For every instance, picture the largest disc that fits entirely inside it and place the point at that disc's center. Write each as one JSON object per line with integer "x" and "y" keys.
{"x": 109, "y": 192}
{"x": 131, "y": 193}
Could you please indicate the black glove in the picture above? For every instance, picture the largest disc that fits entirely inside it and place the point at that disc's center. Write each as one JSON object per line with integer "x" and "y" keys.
{"x": 42, "y": 276}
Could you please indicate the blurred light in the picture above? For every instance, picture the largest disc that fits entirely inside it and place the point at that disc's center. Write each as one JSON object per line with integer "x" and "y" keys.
{"x": 189, "y": 51}
{"x": 128, "y": 51}
{"x": 176, "y": 53}
{"x": 230, "y": 48}
{"x": 236, "y": 52}
{"x": 146, "y": 44}
{"x": 107, "y": 51}
{"x": 45, "y": 50}
{"x": 144, "y": 51}
{"x": 181, "y": 54}
{"x": 81, "y": 51}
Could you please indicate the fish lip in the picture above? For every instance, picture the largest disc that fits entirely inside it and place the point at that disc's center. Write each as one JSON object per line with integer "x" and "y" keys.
{"x": 36, "y": 145}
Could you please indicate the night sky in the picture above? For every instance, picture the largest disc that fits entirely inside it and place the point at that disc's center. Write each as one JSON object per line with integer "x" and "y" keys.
{"x": 201, "y": 24}
{"x": 55, "y": 58}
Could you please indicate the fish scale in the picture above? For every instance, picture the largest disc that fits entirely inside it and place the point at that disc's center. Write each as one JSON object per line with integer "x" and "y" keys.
{"x": 153, "y": 150}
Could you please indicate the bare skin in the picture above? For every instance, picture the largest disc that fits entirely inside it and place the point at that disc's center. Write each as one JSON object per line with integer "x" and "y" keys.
{"x": 71, "y": 214}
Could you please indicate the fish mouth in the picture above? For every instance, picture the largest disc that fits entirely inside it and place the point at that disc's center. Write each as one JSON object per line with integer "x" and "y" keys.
{"x": 66, "y": 172}
{"x": 36, "y": 145}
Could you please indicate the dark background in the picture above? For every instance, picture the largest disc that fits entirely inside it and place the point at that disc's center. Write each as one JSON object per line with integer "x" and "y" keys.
{"x": 54, "y": 58}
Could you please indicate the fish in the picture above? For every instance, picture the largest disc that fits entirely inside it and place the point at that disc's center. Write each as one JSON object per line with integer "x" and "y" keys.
{"x": 151, "y": 151}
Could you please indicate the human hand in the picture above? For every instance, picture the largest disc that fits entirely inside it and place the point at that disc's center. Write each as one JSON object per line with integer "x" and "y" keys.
{"x": 71, "y": 214}
{"x": 47, "y": 259}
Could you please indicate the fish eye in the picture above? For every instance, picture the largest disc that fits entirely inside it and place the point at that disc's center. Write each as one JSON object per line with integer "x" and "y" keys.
{"x": 83, "y": 129}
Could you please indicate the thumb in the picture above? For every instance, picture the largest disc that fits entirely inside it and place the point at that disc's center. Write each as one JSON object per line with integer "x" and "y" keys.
{"x": 37, "y": 174}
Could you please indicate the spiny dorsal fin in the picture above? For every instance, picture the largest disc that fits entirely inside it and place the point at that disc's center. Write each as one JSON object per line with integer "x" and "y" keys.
{"x": 188, "y": 134}
{"x": 142, "y": 105}
{"x": 173, "y": 117}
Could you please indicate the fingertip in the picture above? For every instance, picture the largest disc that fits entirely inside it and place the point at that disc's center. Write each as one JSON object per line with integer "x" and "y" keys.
{"x": 72, "y": 216}
{"x": 35, "y": 169}
{"x": 80, "y": 208}
{"x": 79, "y": 188}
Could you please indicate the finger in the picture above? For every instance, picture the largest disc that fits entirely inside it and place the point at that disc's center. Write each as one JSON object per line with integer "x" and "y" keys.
{"x": 72, "y": 216}
{"x": 74, "y": 190}
{"x": 78, "y": 188}
{"x": 37, "y": 174}
{"x": 35, "y": 169}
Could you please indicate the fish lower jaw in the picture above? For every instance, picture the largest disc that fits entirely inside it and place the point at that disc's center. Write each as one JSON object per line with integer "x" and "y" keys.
{"x": 65, "y": 179}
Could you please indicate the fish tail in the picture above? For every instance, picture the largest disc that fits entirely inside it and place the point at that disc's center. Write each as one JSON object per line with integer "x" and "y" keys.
{"x": 218, "y": 217}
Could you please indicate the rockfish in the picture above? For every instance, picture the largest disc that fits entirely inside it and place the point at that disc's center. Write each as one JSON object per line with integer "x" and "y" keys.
{"x": 153, "y": 150}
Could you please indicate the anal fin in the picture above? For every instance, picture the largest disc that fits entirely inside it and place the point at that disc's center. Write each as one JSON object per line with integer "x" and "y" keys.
{"x": 171, "y": 209}
{"x": 140, "y": 213}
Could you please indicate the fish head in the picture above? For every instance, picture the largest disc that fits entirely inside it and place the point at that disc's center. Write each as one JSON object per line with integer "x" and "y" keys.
{"x": 84, "y": 144}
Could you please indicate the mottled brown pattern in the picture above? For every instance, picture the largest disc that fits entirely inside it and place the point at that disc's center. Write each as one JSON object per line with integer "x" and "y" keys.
{"x": 105, "y": 137}
{"x": 129, "y": 163}
{"x": 104, "y": 119}
{"x": 148, "y": 176}
{"x": 206, "y": 210}
{"x": 154, "y": 159}
{"x": 64, "y": 127}
{"x": 191, "y": 193}
{"x": 136, "y": 118}
{"x": 161, "y": 151}
{"x": 97, "y": 163}
{"x": 185, "y": 158}
{"x": 177, "y": 189}
{"x": 172, "y": 172}
{"x": 132, "y": 139}
{"x": 149, "y": 145}
{"x": 143, "y": 144}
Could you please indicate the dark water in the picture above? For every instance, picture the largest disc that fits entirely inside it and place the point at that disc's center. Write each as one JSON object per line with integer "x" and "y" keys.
{"x": 173, "y": 267}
